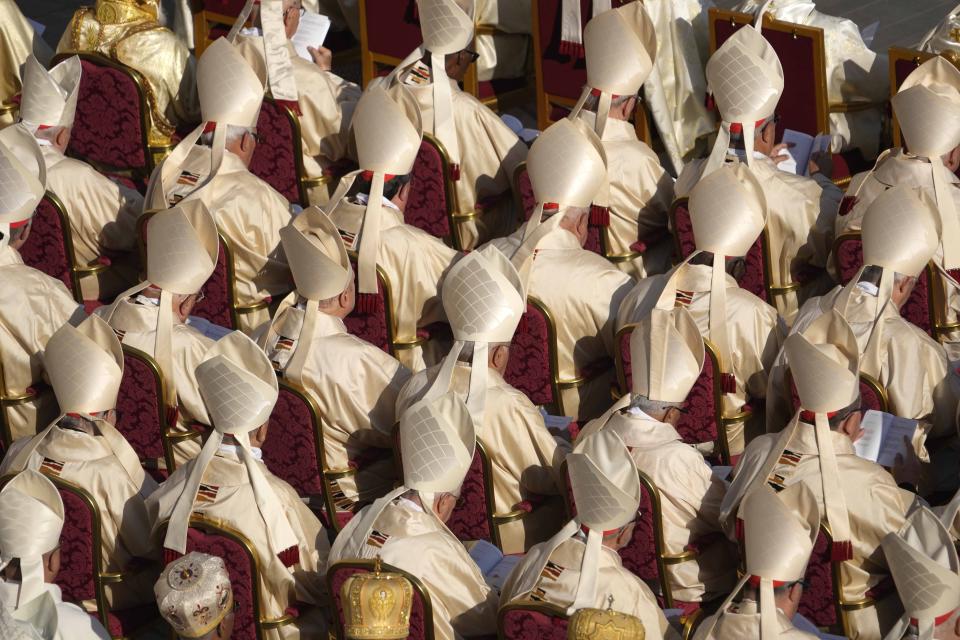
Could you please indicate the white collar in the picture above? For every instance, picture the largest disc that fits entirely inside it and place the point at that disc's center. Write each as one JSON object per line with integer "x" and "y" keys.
{"x": 742, "y": 153}
{"x": 235, "y": 450}
{"x": 869, "y": 288}
{"x": 364, "y": 198}
{"x": 407, "y": 503}
{"x": 640, "y": 413}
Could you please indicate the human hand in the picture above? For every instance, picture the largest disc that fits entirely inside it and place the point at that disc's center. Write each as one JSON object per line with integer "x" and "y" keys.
{"x": 322, "y": 57}
{"x": 906, "y": 468}
{"x": 821, "y": 162}
{"x": 778, "y": 153}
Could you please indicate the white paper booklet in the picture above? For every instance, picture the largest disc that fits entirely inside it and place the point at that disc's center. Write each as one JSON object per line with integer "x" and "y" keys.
{"x": 801, "y": 148}
{"x": 494, "y": 566}
{"x": 207, "y": 328}
{"x": 311, "y": 33}
{"x": 555, "y": 423}
{"x": 883, "y": 436}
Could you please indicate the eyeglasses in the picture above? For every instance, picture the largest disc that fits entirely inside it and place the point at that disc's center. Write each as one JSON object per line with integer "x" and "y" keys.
{"x": 474, "y": 56}
{"x": 201, "y": 295}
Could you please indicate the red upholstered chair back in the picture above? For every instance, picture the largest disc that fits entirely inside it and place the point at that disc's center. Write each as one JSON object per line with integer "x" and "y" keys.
{"x": 218, "y": 292}
{"x": 872, "y": 395}
{"x": 112, "y": 119}
{"x": 753, "y": 278}
{"x": 389, "y": 31}
{"x": 241, "y": 566}
{"x": 640, "y": 556}
{"x": 141, "y": 413}
{"x": 277, "y": 158}
{"x": 531, "y": 620}
{"x": 804, "y": 103}
{"x": 848, "y": 256}
{"x": 421, "y": 613}
{"x": 48, "y": 249}
{"x": 79, "y": 556}
{"x": 818, "y": 603}
{"x": 375, "y": 325}
{"x": 470, "y": 518}
{"x": 530, "y": 368}
{"x": 918, "y": 308}
{"x": 902, "y": 63}
{"x": 431, "y": 196}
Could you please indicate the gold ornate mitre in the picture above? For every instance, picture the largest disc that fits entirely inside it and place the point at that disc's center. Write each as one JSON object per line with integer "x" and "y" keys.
{"x": 123, "y": 11}
{"x": 376, "y": 606}
{"x": 599, "y": 624}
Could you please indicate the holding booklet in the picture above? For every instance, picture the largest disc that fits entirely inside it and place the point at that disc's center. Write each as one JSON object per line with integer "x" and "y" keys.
{"x": 494, "y": 566}
{"x": 883, "y": 437}
{"x": 311, "y": 33}
{"x": 801, "y": 147}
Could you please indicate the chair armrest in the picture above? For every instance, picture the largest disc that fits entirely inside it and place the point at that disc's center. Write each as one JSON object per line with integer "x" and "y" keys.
{"x": 338, "y": 474}
{"x": 677, "y": 558}
{"x": 511, "y": 516}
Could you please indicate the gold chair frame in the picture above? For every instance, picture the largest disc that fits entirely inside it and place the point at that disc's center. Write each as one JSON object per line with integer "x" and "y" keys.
{"x": 495, "y": 520}
{"x": 217, "y": 527}
{"x": 153, "y": 153}
{"x": 236, "y": 310}
{"x": 101, "y": 577}
{"x": 878, "y": 389}
{"x": 6, "y": 434}
{"x": 329, "y": 475}
{"x": 77, "y": 272}
{"x": 557, "y": 384}
{"x": 169, "y": 434}
{"x": 840, "y": 239}
{"x": 455, "y": 217}
{"x": 722, "y": 421}
{"x": 304, "y": 183}
{"x": 843, "y": 607}
{"x": 369, "y": 566}
{"x": 9, "y": 107}
{"x": 822, "y": 102}
{"x": 527, "y": 604}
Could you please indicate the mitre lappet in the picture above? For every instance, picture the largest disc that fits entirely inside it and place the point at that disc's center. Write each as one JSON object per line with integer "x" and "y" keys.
{"x": 50, "y": 97}
{"x": 606, "y": 496}
{"x": 280, "y": 78}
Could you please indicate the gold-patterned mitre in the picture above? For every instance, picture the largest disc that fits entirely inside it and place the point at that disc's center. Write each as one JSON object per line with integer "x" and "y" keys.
{"x": 597, "y": 624}
{"x": 376, "y": 606}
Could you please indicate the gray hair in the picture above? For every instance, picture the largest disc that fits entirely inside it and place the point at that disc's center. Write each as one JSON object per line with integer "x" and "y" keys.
{"x": 592, "y": 102}
{"x": 653, "y": 408}
{"x": 466, "y": 354}
{"x": 80, "y": 423}
{"x": 234, "y": 134}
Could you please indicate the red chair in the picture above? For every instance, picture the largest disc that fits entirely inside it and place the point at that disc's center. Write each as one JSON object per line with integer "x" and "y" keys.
{"x": 50, "y": 249}
{"x": 596, "y": 235}
{"x": 703, "y": 419}
{"x": 294, "y": 452}
{"x": 143, "y": 418}
{"x": 242, "y": 563}
{"x": 421, "y": 613}
{"x": 902, "y": 64}
{"x": 533, "y": 357}
{"x": 873, "y": 395}
{"x": 755, "y": 277}
{"x": 278, "y": 158}
{"x": 112, "y": 126}
{"x": 82, "y": 575}
{"x": 432, "y": 204}
{"x": 532, "y": 620}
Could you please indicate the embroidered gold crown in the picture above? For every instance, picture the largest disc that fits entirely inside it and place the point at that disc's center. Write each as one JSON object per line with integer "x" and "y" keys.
{"x": 600, "y": 624}
{"x": 377, "y": 605}
{"x": 123, "y": 11}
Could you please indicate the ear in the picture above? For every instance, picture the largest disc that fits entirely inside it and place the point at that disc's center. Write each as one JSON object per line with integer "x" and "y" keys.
{"x": 63, "y": 137}
{"x": 248, "y": 143}
{"x": 796, "y": 593}
{"x": 499, "y": 356}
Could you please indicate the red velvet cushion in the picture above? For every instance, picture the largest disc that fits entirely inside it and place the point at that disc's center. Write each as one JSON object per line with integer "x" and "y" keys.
{"x": 626, "y": 360}
{"x": 76, "y": 550}
{"x": 139, "y": 409}
{"x": 218, "y": 289}
{"x": 699, "y": 423}
{"x": 469, "y": 518}
{"x": 917, "y": 307}
{"x": 849, "y": 257}
{"x": 528, "y": 201}
{"x": 46, "y": 248}
{"x": 528, "y": 369}
{"x": 563, "y": 75}
{"x": 418, "y": 621}
{"x": 242, "y": 575}
{"x": 683, "y": 229}
{"x": 274, "y": 160}
{"x": 640, "y": 556}
{"x": 393, "y": 27}
{"x": 370, "y": 326}
{"x": 107, "y": 128}
{"x": 427, "y": 207}
{"x": 291, "y": 450}
{"x": 797, "y": 107}
{"x": 817, "y": 603}
{"x": 869, "y": 399}
{"x": 522, "y": 624}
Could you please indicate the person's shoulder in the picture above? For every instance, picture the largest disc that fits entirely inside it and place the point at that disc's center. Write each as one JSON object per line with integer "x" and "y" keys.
{"x": 81, "y": 625}
{"x": 743, "y": 299}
